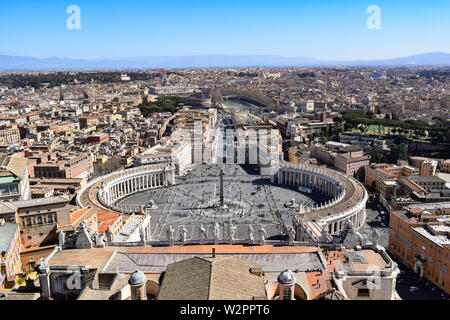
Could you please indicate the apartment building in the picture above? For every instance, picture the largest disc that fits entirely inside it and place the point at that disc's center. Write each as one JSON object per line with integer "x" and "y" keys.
{"x": 445, "y": 166}
{"x": 426, "y": 166}
{"x": 343, "y": 157}
{"x": 71, "y": 166}
{"x": 14, "y": 178}
{"x": 88, "y": 121}
{"x": 10, "y": 247}
{"x": 179, "y": 154}
{"x": 429, "y": 183}
{"x": 9, "y": 134}
{"x": 420, "y": 237}
{"x": 38, "y": 219}
{"x": 376, "y": 173}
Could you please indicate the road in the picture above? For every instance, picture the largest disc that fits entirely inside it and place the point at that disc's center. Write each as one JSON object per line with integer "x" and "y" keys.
{"x": 409, "y": 279}
{"x": 374, "y": 220}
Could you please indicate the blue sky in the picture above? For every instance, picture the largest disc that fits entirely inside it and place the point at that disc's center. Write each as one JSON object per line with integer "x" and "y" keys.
{"x": 326, "y": 29}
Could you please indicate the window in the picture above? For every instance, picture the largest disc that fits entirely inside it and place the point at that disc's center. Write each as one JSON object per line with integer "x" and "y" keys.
{"x": 287, "y": 294}
{"x": 438, "y": 265}
{"x": 415, "y": 248}
{"x": 29, "y": 237}
{"x": 50, "y": 218}
{"x": 28, "y": 222}
{"x": 363, "y": 292}
{"x": 444, "y": 269}
{"x": 430, "y": 259}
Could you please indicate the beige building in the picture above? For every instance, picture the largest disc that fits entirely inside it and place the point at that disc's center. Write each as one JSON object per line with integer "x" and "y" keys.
{"x": 376, "y": 173}
{"x": 9, "y": 134}
{"x": 345, "y": 158}
{"x": 236, "y": 273}
{"x": 71, "y": 166}
{"x": 10, "y": 247}
{"x": 38, "y": 219}
{"x": 366, "y": 274}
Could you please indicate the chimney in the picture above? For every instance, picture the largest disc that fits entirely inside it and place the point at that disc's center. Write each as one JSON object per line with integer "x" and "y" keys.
{"x": 256, "y": 271}
{"x": 213, "y": 251}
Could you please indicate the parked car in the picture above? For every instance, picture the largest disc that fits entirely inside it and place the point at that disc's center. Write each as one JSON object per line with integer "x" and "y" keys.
{"x": 413, "y": 289}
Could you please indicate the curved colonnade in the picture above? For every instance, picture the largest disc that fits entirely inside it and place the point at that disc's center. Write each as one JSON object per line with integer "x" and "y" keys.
{"x": 347, "y": 202}
{"x": 106, "y": 191}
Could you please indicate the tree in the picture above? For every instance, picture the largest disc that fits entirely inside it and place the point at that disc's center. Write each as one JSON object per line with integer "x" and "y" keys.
{"x": 398, "y": 152}
{"x": 370, "y": 115}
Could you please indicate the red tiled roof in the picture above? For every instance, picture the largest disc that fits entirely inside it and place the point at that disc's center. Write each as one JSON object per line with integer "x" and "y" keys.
{"x": 74, "y": 216}
{"x": 105, "y": 219}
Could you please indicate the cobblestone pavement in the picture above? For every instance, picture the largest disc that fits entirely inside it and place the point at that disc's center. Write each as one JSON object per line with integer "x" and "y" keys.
{"x": 250, "y": 198}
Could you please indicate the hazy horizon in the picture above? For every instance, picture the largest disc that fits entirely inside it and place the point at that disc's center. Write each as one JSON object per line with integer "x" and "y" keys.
{"x": 216, "y": 55}
{"x": 325, "y": 30}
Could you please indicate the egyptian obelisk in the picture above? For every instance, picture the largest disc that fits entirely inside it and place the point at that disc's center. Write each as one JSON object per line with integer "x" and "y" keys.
{"x": 221, "y": 189}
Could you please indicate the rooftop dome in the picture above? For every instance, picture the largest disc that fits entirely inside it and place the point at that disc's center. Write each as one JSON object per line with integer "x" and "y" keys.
{"x": 286, "y": 277}
{"x": 137, "y": 278}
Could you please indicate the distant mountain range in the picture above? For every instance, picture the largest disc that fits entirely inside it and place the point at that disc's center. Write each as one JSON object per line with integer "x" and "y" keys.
{"x": 19, "y": 63}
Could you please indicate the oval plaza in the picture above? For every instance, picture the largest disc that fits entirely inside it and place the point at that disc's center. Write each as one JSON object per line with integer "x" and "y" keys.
{"x": 233, "y": 203}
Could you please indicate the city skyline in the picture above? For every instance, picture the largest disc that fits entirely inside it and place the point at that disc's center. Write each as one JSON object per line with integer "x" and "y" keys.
{"x": 231, "y": 153}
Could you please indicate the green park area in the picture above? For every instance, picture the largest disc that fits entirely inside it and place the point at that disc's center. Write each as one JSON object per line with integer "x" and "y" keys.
{"x": 368, "y": 123}
{"x": 162, "y": 104}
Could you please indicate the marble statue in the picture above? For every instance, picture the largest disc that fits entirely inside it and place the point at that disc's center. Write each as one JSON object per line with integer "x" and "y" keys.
{"x": 250, "y": 232}
{"x": 232, "y": 232}
{"x": 324, "y": 236}
{"x": 61, "y": 238}
{"x": 291, "y": 234}
{"x": 375, "y": 237}
{"x": 183, "y": 234}
{"x": 203, "y": 235}
{"x": 216, "y": 231}
{"x": 142, "y": 232}
{"x": 262, "y": 233}
{"x": 170, "y": 233}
